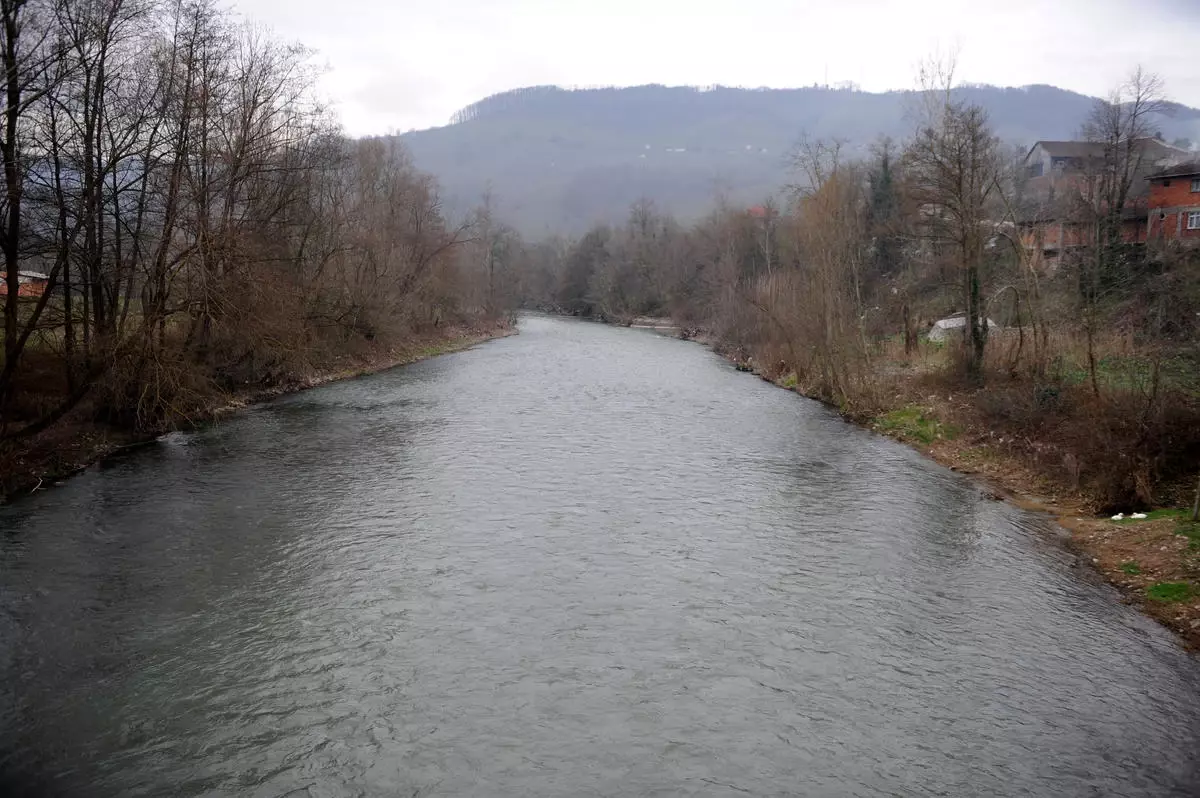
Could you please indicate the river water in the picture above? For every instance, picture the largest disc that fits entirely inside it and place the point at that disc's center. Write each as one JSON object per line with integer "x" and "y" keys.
{"x": 579, "y": 561}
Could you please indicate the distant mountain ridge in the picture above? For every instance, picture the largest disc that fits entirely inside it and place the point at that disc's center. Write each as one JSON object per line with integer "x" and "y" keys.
{"x": 559, "y": 160}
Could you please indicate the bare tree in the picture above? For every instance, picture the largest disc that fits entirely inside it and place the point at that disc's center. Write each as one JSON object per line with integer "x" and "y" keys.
{"x": 1122, "y": 124}
{"x": 955, "y": 165}
{"x": 27, "y": 53}
{"x": 203, "y": 221}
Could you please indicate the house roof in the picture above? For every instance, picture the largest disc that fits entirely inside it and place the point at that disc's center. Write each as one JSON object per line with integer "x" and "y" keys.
{"x": 1095, "y": 149}
{"x": 1186, "y": 169}
{"x": 1070, "y": 149}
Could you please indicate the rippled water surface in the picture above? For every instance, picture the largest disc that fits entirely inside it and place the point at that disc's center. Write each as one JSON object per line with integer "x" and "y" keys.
{"x": 580, "y": 561}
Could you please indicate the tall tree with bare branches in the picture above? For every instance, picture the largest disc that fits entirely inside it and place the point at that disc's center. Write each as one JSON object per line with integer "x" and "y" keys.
{"x": 954, "y": 161}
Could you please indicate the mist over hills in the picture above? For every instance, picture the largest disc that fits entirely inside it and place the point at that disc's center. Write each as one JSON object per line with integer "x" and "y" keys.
{"x": 559, "y": 160}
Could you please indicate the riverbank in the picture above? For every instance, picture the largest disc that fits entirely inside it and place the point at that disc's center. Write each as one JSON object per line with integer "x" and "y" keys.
{"x": 78, "y": 441}
{"x": 1154, "y": 561}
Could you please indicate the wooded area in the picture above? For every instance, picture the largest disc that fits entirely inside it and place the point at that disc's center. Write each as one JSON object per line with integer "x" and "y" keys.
{"x": 1086, "y": 366}
{"x": 197, "y": 222}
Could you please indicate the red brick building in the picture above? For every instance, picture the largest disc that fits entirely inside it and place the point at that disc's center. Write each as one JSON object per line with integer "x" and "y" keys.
{"x": 1174, "y": 203}
{"x": 1060, "y": 174}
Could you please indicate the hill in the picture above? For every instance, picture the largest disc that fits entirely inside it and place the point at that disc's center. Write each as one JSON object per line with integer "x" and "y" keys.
{"x": 559, "y": 160}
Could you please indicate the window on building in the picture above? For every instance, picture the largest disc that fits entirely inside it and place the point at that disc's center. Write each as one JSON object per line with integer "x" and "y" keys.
{"x": 1194, "y": 220}
{"x": 1196, "y": 185}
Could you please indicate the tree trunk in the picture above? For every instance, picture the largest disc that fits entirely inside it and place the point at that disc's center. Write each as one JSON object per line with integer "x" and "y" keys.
{"x": 1196, "y": 503}
{"x": 12, "y": 185}
{"x": 910, "y": 338}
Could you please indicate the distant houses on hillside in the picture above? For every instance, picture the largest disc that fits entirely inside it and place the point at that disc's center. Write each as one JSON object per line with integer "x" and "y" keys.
{"x": 1064, "y": 178}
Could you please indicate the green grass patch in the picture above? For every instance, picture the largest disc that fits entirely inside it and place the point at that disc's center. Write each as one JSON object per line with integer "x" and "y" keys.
{"x": 1157, "y": 515}
{"x": 443, "y": 347}
{"x": 936, "y": 346}
{"x": 789, "y": 381}
{"x": 1135, "y": 373}
{"x": 1170, "y": 591}
{"x": 1185, "y": 526}
{"x": 913, "y": 423}
{"x": 1190, "y": 530}
{"x": 1131, "y": 568}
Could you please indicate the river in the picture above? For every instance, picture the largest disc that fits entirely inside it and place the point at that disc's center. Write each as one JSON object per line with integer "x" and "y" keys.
{"x": 579, "y": 561}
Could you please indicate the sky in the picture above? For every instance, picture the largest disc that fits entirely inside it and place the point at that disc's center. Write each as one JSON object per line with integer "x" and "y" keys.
{"x": 393, "y": 66}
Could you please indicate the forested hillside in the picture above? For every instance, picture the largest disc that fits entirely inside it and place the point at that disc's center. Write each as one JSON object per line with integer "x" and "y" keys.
{"x": 559, "y": 161}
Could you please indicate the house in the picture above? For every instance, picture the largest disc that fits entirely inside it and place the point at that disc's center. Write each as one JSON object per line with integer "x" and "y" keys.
{"x": 1057, "y": 203}
{"x": 31, "y": 284}
{"x": 1174, "y": 203}
{"x": 1058, "y": 158}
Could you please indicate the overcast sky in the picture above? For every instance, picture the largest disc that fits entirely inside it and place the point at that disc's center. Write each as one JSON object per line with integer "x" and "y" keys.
{"x": 394, "y": 66}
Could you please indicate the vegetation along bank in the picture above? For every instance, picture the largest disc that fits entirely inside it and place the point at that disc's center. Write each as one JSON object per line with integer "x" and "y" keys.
{"x": 185, "y": 226}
